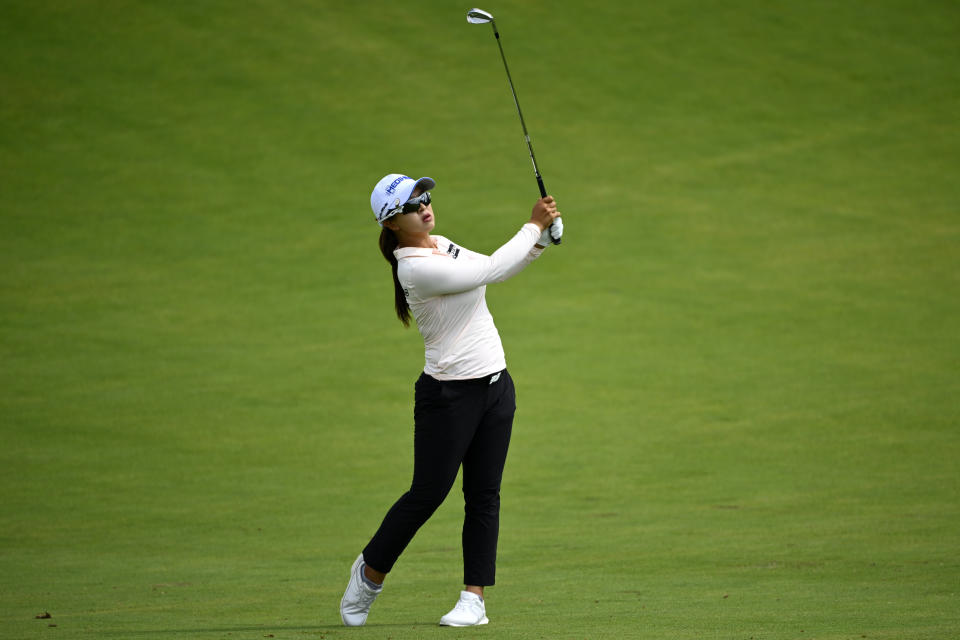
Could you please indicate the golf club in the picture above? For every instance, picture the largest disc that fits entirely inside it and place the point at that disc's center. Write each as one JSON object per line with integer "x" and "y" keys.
{"x": 479, "y": 16}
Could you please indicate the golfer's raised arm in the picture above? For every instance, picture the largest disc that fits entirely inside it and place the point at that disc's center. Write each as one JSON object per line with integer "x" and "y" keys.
{"x": 436, "y": 278}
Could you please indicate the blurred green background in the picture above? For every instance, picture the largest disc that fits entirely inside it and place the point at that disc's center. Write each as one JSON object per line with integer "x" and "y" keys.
{"x": 737, "y": 378}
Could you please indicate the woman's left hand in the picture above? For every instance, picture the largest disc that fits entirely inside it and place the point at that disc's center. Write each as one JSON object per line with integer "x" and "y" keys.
{"x": 551, "y": 233}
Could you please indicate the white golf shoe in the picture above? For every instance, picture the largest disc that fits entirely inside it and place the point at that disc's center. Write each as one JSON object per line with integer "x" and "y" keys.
{"x": 470, "y": 611}
{"x": 358, "y": 597}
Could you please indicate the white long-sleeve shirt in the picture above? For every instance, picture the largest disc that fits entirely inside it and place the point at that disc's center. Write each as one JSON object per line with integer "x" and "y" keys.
{"x": 446, "y": 290}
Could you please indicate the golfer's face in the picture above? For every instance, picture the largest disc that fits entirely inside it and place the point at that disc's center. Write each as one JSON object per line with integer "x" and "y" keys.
{"x": 417, "y": 221}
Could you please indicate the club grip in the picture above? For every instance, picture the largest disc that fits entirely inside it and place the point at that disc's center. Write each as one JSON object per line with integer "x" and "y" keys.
{"x": 543, "y": 194}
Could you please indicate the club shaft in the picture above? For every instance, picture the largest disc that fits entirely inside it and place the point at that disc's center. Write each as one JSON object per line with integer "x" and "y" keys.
{"x": 523, "y": 124}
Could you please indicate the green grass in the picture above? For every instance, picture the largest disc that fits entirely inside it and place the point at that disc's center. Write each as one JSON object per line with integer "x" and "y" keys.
{"x": 738, "y": 391}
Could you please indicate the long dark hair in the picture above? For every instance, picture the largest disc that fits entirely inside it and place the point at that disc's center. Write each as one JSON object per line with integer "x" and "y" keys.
{"x": 389, "y": 242}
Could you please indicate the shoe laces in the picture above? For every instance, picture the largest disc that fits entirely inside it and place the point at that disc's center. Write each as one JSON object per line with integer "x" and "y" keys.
{"x": 367, "y": 595}
{"x": 470, "y": 606}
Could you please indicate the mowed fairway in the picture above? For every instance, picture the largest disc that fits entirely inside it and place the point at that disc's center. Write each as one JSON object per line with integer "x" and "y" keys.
{"x": 739, "y": 400}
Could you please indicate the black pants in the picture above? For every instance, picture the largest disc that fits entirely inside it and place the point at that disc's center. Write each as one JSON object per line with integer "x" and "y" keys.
{"x": 456, "y": 422}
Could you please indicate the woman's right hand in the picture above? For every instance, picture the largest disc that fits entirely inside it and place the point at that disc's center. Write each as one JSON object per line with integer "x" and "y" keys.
{"x": 544, "y": 212}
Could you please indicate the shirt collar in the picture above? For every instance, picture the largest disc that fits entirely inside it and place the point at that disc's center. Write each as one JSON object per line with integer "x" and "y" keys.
{"x": 406, "y": 252}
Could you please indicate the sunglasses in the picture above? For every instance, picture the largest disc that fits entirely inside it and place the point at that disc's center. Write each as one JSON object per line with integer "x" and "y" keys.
{"x": 413, "y": 204}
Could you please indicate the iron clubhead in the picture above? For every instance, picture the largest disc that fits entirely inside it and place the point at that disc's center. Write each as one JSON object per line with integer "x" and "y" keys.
{"x": 478, "y": 16}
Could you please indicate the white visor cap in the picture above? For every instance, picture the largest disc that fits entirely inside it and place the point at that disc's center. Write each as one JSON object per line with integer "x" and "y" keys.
{"x": 392, "y": 191}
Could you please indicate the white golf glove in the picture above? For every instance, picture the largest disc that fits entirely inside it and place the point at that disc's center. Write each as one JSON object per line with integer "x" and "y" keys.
{"x": 553, "y": 232}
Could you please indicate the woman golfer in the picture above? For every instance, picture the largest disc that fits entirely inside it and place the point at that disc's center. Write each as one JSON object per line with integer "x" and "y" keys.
{"x": 464, "y": 399}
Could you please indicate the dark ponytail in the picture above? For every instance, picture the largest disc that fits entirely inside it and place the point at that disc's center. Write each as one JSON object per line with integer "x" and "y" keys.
{"x": 389, "y": 242}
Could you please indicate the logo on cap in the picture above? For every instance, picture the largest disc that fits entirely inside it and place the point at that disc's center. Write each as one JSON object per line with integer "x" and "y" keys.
{"x": 393, "y": 185}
